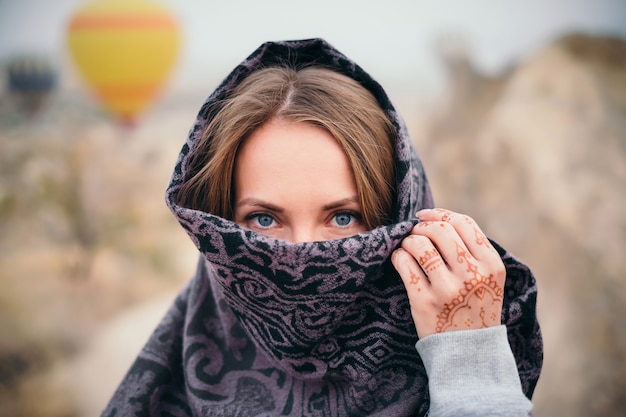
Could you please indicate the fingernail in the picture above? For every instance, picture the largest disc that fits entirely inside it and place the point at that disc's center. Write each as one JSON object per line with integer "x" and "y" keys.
{"x": 422, "y": 211}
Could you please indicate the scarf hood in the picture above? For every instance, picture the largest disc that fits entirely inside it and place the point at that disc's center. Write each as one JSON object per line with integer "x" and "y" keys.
{"x": 267, "y": 327}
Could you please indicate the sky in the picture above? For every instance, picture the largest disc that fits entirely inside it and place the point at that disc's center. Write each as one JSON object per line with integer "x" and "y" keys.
{"x": 394, "y": 40}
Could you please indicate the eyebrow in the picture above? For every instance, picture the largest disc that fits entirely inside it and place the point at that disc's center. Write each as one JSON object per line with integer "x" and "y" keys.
{"x": 259, "y": 203}
{"x": 269, "y": 206}
{"x": 340, "y": 203}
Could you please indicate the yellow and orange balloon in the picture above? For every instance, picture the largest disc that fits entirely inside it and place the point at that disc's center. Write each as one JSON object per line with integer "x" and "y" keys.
{"x": 125, "y": 49}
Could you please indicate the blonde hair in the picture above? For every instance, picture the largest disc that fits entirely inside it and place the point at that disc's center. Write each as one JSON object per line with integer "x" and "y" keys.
{"x": 315, "y": 95}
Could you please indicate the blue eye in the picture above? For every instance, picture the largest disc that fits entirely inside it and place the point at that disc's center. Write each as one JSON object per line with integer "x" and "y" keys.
{"x": 344, "y": 219}
{"x": 263, "y": 220}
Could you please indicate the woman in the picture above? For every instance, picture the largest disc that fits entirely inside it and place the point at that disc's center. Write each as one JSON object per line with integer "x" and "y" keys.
{"x": 302, "y": 190}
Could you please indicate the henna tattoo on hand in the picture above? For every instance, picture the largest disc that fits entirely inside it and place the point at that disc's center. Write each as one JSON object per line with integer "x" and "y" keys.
{"x": 479, "y": 292}
{"x": 430, "y": 261}
{"x": 415, "y": 278}
{"x": 482, "y": 317}
{"x": 447, "y": 214}
{"x": 481, "y": 239}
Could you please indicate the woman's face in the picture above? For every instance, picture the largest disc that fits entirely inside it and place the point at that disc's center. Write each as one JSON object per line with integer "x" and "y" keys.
{"x": 293, "y": 182}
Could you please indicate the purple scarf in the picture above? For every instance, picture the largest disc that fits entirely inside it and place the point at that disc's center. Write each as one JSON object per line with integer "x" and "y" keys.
{"x": 269, "y": 328}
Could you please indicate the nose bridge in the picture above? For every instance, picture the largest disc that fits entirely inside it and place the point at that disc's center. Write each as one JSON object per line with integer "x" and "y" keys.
{"x": 306, "y": 232}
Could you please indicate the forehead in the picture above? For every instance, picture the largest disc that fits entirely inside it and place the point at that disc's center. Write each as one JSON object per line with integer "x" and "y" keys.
{"x": 292, "y": 157}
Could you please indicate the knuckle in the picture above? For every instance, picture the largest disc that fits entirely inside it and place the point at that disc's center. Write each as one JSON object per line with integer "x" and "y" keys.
{"x": 462, "y": 221}
{"x": 501, "y": 271}
{"x": 448, "y": 215}
{"x": 496, "y": 268}
{"x": 468, "y": 220}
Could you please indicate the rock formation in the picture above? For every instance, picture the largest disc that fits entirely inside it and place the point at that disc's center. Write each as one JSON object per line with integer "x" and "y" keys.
{"x": 538, "y": 157}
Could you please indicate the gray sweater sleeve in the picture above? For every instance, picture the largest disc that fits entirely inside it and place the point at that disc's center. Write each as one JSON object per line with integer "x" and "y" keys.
{"x": 472, "y": 373}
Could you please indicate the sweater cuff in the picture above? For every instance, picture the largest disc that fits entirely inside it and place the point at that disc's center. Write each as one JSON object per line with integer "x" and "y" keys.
{"x": 472, "y": 369}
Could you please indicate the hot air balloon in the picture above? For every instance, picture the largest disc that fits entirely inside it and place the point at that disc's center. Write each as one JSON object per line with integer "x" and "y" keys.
{"x": 124, "y": 49}
{"x": 31, "y": 79}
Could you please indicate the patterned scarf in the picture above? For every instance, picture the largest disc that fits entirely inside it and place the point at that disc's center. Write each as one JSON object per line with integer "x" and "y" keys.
{"x": 268, "y": 328}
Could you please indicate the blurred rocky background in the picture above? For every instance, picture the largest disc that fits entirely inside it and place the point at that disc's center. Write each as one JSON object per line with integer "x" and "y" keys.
{"x": 538, "y": 156}
{"x": 90, "y": 257}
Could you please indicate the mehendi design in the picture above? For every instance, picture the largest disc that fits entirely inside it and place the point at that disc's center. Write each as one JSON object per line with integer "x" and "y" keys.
{"x": 481, "y": 239}
{"x": 430, "y": 261}
{"x": 415, "y": 279}
{"x": 447, "y": 215}
{"x": 482, "y": 317}
{"x": 458, "y": 313}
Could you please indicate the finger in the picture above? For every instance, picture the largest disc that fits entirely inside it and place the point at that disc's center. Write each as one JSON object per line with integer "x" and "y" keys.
{"x": 472, "y": 236}
{"x": 475, "y": 254}
{"x": 408, "y": 269}
{"x": 446, "y": 239}
{"x": 424, "y": 252}
{"x": 418, "y": 291}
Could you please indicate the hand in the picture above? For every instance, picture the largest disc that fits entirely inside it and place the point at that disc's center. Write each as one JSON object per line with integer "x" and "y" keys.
{"x": 454, "y": 278}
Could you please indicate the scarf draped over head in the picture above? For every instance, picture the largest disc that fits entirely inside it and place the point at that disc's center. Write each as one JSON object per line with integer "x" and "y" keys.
{"x": 267, "y": 327}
